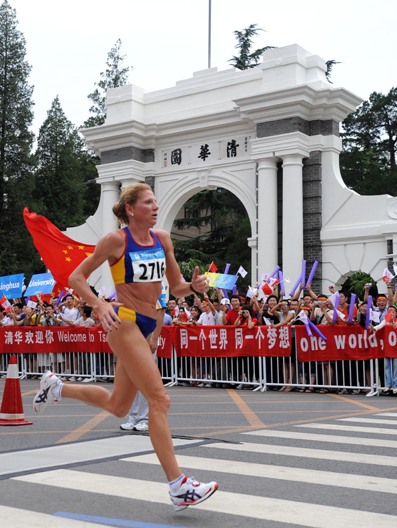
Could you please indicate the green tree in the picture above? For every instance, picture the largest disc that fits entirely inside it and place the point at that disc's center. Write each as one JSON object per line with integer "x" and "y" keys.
{"x": 356, "y": 282}
{"x": 63, "y": 169}
{"x": 247, "y": 58}
{"x": 368, "y": 160}
{"x": 17, "y": 252}
{"x": 114, "y": 76}
{"x": 224, "y": 239}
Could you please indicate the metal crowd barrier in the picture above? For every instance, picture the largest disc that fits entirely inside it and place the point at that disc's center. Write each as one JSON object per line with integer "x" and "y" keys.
{"x": 254, "y": 373}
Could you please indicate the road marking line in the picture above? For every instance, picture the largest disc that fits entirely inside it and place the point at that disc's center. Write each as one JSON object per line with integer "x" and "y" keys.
{"x": 358, "y": 458}
{"x": 293, "y": 435}
{"x": 245, "y": 409}
{"x": 18, "y": 518}
{"x": 370, "y": 421}
{"x": 239, "y": 504}
{"x": 80, "y": 452}
{"x": 308, "y": 476}
{"x": 88, "y": 426}
{"x": 125, "y": 523}
{"x": 351, "y": 429}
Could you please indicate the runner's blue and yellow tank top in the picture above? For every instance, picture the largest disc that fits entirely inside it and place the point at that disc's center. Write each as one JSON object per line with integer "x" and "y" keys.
{"x": 139, "y": 263}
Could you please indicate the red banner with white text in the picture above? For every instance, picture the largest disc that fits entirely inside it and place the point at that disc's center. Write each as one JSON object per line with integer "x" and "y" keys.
{"x": 342, "y": 342}
{"x": 165, "y": 341}
{"x": 229, "y": 341}
{"x": 63, "y": 339}
{"x": 346, "y": 343}
{"x": 45, "y": 339}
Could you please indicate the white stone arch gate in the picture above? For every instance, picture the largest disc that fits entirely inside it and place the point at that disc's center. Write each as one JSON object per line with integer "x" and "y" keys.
{"x": 270, "y": 135}
{"x": 175, "y": 192}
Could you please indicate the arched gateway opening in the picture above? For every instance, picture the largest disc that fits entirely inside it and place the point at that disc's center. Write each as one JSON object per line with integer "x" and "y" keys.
{"x": 213, "y": 226}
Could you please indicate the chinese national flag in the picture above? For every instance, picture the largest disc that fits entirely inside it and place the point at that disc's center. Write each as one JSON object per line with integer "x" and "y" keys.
{"x": 60, "y": 253}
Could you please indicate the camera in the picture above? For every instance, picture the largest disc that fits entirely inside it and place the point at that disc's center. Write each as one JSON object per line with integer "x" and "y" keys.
{"x": 181, "y": 309}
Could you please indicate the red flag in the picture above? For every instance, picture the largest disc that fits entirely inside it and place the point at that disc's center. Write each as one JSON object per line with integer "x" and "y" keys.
{"x": 267, "y": 290}
{"x": 60, "y": 253}
{"x": 5, "y": 304}
{"x": 213, "y": 267}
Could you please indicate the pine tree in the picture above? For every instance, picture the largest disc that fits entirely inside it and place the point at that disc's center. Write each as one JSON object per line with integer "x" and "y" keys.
{"x": 247, "y": 58}
{"x": 17, "y": 252}
{"x": 113, "y": 77}
{"x": 63, "y": 169}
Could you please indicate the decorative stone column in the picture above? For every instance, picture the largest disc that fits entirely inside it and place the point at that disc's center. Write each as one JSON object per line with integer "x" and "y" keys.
{"x": 267, "y": 215}
{"x": 110, "y": 191}
{"x": 253, "y": 244}
{"x": 292, "y": 219}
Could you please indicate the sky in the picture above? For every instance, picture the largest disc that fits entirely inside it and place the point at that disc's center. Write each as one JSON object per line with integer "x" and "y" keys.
{"x": 165, "y": 41}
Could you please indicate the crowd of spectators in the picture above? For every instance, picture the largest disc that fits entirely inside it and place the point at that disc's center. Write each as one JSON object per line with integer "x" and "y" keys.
{"x": 218, "y": 308}
{"x": 276, "y": 310}
{"x": 68, "y": 310}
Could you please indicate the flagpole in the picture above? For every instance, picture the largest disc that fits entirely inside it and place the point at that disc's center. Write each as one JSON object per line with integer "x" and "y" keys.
{"x": 209, "y": 34}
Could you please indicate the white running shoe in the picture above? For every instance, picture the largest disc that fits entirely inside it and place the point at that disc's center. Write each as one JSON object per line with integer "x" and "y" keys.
{"x": 129, "y": 426}
{"x": 191, "y": 493}
{"x": 44, "y": 395}
{"x": 141, "y": 427}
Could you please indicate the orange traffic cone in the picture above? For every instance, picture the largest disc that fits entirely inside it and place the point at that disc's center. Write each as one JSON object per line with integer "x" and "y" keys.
{"x": 11, "y": 412}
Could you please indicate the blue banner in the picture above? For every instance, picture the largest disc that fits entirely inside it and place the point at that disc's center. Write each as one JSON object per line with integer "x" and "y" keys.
{"x": 40, "y": 284}
{"x": 11, "y": 286}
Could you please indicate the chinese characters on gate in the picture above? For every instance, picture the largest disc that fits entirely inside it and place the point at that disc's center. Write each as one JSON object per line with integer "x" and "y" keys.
{"x": 204, "y": 152}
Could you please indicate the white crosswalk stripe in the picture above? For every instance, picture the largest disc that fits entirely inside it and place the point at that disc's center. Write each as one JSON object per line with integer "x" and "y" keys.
{"x": 366, "y": 420}
{"x": 351, "y": 428}
{"x": 333, "y": 439}
{"x": 304, "y": 452}
{"x": 329, "y": 462}
{"x": 322, "y": 478}
{"x": 255, "y": 507}
{"x": 18, "y": 518}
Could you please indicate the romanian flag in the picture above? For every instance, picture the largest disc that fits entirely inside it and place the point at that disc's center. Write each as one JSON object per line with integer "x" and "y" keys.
{"x": 60, "y": 253}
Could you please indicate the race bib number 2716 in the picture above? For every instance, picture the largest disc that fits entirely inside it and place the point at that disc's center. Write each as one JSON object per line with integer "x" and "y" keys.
{"x": 148, "y": 265}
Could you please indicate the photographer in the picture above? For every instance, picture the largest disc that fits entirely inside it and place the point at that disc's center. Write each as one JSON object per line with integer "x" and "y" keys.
{"x": 245, "y": 317}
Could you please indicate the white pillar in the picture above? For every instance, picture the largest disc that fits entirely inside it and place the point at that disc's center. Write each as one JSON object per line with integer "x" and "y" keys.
{"x": 253, "y": 244}
{"x": 267, "y": 215}
{"x": 110, "y": 191}
{"x": 292, "y": 238}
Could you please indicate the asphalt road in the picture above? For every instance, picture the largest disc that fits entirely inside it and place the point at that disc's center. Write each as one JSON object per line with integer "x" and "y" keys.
{"x": 281, "y": 459}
